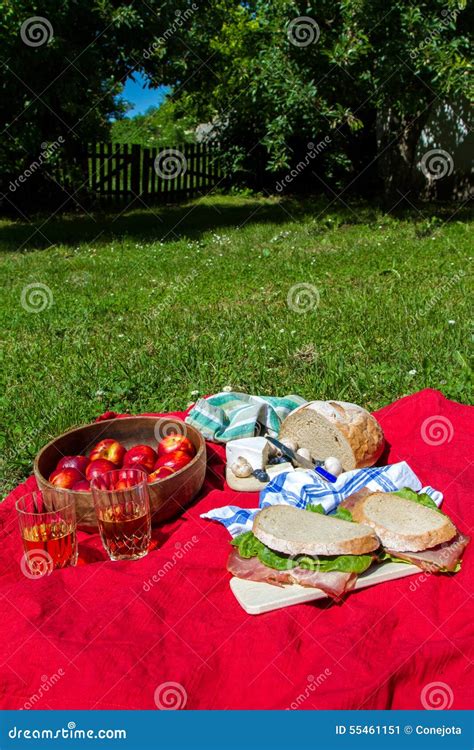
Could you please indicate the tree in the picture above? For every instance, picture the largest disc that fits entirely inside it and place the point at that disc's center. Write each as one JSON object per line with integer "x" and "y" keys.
{"x": 62, "y": 69}
{"x": 364, "y": 73}
{"x": 359, "y": 76}
{"x": 166, "y": 125}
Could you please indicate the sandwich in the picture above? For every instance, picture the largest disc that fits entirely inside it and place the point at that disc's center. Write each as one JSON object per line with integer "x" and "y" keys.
{"x": 411, "y": 528}
{"x": 291, "y": 545}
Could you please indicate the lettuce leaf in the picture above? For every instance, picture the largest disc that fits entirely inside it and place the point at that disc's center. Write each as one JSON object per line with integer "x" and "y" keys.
{"x": 249, "y": 546}
{"x": 342, "y": 513}
{"x": 421, "y": 499}
{"x": 316, "y": 509}
{"x": 384, "y": 556}
{"x": 342, "y": 563}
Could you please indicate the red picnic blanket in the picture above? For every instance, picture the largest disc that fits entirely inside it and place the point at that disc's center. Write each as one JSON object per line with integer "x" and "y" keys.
{"x": 167, "y": 630}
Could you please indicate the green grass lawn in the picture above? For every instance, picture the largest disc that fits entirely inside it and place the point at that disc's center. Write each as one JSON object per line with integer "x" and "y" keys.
{"x": 148, "y": 309}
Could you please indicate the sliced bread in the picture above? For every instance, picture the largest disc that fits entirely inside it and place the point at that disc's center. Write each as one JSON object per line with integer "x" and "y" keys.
{"x": 293, "y": 531}
{"x": 403, "y": 525}
{"x": 335, "y": 428}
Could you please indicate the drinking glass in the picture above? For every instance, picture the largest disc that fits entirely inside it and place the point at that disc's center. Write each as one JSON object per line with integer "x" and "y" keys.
{"x": 48, "y": 534}
{"x": 122, "y": 506}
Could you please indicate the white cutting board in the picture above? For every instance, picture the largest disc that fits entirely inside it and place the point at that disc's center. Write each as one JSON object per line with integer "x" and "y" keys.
{"x": 257, "y": 598}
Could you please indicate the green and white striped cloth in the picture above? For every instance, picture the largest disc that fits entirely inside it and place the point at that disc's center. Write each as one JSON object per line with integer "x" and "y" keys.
{"x": 228, "y": 416}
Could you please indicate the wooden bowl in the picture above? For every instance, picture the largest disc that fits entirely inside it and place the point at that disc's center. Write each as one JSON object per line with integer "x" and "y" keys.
{"x": 168, "y": 497}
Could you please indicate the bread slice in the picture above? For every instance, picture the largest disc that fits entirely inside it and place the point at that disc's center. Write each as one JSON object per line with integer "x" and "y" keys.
{"x": 335, "y": 428}
{"x": 293, "y": 531}
{"x": 403, "y": 525}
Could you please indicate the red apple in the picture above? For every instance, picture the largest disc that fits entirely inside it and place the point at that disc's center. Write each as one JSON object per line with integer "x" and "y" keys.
{"x": 65, "y": 478}
{"x": 123, "y": 484}
{"x": 140, "y": 454}
{"x": 99, "y": 467}
{"x": 82, "y": 486}
{"x": 172, "y": 443}
{"x": 124, "y": 473}
{"x": 125, "y": 481}
{"x": 109, "y": 449}
{"x": 161, "y": 473}
{"x": 175, "y": 460}
{"x": 74, "y": 462}
{"x": 138, "y": 467}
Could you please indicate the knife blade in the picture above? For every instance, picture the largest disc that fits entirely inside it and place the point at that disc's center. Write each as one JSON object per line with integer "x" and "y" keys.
{"x": 301, "y": 461}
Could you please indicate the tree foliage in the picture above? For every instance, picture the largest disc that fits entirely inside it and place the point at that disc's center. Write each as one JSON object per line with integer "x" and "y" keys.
{"x": 63, "y": 65}
{"x": 368, "y": 79}
{"x": 167, "y": 125}
{"x": 365, "y": 72}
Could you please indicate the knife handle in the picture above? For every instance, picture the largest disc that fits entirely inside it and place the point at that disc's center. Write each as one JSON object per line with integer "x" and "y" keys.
{"x": 325, "y": 474}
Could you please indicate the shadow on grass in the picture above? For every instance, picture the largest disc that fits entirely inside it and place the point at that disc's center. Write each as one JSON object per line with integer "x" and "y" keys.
{"x": 167, "y": 223}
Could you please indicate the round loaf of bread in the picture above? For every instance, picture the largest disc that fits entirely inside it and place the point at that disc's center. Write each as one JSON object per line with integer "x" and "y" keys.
{"x": 335, "y": 428}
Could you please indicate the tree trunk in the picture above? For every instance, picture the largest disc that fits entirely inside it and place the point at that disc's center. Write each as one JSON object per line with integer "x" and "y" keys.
{"x": 397, "y": 139}
{"x": 361, "y": 148}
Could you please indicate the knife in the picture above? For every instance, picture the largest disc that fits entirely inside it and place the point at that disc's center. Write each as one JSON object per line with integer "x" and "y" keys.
{"x": 304, "y": 462}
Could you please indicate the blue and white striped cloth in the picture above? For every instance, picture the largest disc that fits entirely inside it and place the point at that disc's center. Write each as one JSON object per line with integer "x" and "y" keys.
{"x": 302, "y": 488}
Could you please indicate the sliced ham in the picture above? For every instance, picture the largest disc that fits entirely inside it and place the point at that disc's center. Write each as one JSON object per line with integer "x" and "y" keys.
{"x": 443, "y": 557}
{"x": 334, "y": 584}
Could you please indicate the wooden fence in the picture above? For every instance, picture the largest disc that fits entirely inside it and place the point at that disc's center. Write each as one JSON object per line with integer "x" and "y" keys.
{"x": 165, "y": 174}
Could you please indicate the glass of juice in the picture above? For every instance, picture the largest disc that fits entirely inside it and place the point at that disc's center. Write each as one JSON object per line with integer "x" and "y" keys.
{"x": 48, "y": 534}
{"x": 122, "y": 506}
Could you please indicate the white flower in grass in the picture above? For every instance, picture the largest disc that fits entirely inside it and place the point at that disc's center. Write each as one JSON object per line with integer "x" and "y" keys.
{"x": 412, "y": 372}
{"x": 451, "y": 322}
{"x": 227, "y": 389}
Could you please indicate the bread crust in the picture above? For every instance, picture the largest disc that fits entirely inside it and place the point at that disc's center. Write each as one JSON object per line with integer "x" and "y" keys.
{"x": 407, "y": 542}
{"x": 360, "y": 429}
{"x": 358, "y": 545}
